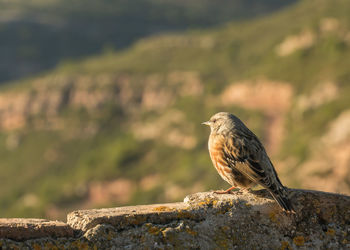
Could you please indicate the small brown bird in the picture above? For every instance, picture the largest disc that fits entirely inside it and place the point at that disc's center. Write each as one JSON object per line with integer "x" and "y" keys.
{"x": 241, "y": 159}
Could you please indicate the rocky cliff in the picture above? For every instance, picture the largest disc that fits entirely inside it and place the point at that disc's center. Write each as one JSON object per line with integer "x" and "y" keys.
{"x": 243, "y": 220}
{"x": 123, "y": 128}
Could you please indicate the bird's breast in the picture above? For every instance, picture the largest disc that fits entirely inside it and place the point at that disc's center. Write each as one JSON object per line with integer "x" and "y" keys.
{"x": 216, "y": 151}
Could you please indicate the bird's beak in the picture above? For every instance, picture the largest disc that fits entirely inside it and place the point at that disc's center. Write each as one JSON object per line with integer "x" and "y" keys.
{"x": 206, "y": 123}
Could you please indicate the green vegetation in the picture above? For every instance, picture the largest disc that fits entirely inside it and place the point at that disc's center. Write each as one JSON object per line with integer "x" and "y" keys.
{"x": 38, "y": 34}
{"x": 106, "y": 141}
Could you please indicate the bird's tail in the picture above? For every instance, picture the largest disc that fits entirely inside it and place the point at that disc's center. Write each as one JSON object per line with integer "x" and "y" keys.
{"x": 281, "y": 196}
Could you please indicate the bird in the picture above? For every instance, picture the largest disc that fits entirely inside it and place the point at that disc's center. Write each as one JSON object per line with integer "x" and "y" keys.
{"x": 241, "y": 159}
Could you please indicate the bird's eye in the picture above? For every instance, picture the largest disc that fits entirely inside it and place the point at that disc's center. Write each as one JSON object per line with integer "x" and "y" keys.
{"x": 214, "y": 120}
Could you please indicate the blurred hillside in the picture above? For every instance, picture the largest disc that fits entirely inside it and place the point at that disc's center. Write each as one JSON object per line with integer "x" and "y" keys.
{"x": 38, "y": 34}
{"x": 124, "y": 128}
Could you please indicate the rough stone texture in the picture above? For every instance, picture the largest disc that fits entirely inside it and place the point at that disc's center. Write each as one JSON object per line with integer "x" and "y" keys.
{"x": 242, "y": 220}
{"x": 24, "y": 229}
{"x": 123, "y": 217}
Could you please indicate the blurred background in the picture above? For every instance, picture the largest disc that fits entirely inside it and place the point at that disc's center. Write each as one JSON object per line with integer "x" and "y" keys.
{"x": 101, "y": 101}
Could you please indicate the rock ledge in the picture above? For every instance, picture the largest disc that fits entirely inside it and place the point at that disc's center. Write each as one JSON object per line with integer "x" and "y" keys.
{"x": 248, "y": 220}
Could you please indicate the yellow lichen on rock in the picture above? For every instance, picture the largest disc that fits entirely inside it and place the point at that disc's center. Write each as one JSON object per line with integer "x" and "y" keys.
{"x": 248, "y": 204}
{"x": 299, "y": 241}
{"x": 152, "y": 229}
{"x": 163, "y": 209}
{"x": 136, "y": 220}
{"x": 35, "y": 246}
{"x": 272, "y": 216}
{"x": 285, "y": 245}
{"x": 183, "y": 214}
{"x": 207, "y": 202}
{"x": 330, "y": 232}
{"x": 191, "y": 232}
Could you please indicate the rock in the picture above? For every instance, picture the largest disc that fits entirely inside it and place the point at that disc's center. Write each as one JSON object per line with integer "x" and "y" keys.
{"x": 303, "y": 40}
{"x": 24, "y": 229}
{"x": 123, "y": 217}
{"x": 241, "y": 220}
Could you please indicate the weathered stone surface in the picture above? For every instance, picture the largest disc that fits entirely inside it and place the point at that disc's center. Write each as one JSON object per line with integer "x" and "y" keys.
{"x": 242, "y": 220}
{"x": 248, "y": 220}
{"x": 122, "y": 217}
{"x": 23, "y": 229}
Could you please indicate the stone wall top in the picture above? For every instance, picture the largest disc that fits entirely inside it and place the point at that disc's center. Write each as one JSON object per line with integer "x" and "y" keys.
{"x": 204, "y": 220}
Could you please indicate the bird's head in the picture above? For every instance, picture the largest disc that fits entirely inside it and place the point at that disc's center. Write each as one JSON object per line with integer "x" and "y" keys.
{"x": 221, "y": 121}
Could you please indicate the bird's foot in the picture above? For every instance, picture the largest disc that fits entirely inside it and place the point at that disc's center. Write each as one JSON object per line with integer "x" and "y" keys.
{"x": 227, "y": 191}
{"x": 243, "y": 189}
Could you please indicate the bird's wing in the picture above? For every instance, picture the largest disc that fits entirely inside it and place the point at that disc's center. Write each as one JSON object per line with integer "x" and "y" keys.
{"x": 247, "y": 155}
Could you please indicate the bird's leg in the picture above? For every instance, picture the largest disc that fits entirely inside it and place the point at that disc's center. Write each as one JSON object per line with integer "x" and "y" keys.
{"x": 226, "y": 191}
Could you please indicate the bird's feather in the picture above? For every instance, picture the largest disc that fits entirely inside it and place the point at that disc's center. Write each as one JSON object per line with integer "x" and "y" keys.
{"x": 241, "y": 159}
{"x": 254, "y": 163}
{"x": 245, "y": 159}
